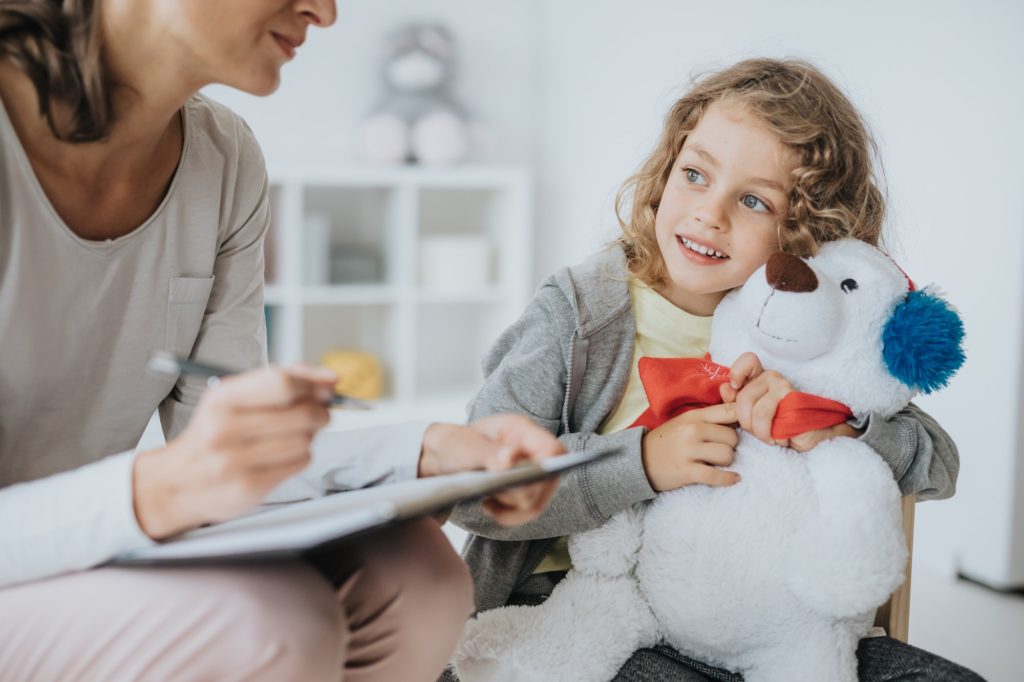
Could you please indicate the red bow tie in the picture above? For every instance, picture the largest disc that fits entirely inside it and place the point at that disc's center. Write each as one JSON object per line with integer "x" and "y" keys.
{"x": 677, "y": 385}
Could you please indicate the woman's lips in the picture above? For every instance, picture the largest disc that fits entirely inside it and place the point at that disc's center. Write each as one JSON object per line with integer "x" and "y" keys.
{"x": 287, "y": 46}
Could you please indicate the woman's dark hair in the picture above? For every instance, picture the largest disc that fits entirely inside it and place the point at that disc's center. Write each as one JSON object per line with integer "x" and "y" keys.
{"x": 57, "y": 44}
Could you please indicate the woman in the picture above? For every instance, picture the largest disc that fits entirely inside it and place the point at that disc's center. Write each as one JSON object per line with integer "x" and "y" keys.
{"x": 132, "y": 218}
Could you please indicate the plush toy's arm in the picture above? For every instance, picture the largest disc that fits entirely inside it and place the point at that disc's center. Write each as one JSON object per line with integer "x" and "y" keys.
{"x": 610, "y": 550}
{"x": 923, "y": 458}
{"x": 850, "y": 556}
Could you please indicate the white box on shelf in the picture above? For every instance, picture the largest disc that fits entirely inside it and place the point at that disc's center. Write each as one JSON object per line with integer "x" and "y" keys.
{"x": 455, "y": 261}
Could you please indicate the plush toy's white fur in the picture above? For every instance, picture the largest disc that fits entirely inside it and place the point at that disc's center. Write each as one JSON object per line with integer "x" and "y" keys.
{"x": 776, "y": 577}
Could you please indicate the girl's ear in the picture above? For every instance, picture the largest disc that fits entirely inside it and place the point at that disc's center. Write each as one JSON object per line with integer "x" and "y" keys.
{"x": 922, "y": 342}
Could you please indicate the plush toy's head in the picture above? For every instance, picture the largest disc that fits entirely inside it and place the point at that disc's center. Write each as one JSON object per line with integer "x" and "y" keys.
{"x": 846, "y": 324}
{"x": 418, "y": 58}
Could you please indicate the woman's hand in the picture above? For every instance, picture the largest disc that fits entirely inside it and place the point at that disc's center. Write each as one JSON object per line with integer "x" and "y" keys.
{"x": 757, "y": 394}
{"x": 496, "y": 442}
{"x": 247, "y": 434}
{"x": 690, "y": 448}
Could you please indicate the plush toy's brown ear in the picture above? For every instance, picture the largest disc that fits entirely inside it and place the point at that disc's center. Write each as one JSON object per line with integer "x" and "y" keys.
{"x": 923, "y": 342}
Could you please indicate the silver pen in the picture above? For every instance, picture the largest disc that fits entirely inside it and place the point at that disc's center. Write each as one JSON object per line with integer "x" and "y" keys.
{"x": 169, "y": 363}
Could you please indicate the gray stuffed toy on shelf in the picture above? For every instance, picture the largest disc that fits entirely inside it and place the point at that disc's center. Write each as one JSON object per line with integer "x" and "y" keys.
{"x": 417, "y": 120}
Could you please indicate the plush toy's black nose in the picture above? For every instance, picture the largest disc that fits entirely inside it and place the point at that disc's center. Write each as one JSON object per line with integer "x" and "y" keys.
{"x": 789, "y": 273}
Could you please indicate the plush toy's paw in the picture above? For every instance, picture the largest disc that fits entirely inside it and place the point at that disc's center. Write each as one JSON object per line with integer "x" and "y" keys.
{"x": 584, "y": 632}
{"x": 492, "y": 644}
{"x": 440, "y": 137}
{"x": 385, "y": 139}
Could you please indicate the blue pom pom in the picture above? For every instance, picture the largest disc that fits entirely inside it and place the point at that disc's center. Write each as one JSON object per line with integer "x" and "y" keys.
{"x": 922, "y": 342}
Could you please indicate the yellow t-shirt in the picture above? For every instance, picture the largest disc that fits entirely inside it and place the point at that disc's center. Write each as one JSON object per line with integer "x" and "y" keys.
{"x": 662, "y": 331}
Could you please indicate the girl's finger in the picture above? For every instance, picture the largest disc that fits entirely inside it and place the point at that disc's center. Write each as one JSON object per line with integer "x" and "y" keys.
{"x": 747, "y": 367}
{"x": 717, "y": 433}
{"x": 723, "y": 413}
{"x": 714, "y": 476}
{"x": 714, "y": 454}
{"x": 763, "y": 413}
{"x": 746, "y": 400}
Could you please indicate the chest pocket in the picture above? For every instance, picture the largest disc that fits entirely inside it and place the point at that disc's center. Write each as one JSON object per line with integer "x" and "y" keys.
{"x": 186, "y": 305}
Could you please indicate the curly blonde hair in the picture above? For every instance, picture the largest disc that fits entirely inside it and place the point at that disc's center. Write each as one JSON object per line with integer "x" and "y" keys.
{"x": 834, "y": 191}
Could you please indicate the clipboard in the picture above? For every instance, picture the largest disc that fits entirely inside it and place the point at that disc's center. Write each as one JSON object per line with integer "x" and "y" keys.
{"x": 284, "y": 532}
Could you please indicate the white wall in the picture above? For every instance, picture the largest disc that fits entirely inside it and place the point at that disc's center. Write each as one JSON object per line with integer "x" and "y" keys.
{"x": 336, "y": 78}
{"x": 577, "y": 88}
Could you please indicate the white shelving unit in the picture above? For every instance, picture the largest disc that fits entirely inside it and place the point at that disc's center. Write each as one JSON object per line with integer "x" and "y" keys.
{"x": 344, "y": 271}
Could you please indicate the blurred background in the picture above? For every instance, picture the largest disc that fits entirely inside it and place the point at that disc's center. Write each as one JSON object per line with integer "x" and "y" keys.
{"x": 402, "y": 274}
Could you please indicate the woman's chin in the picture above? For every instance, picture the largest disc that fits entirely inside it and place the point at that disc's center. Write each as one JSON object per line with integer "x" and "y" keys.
{"x": 260, "y": 83}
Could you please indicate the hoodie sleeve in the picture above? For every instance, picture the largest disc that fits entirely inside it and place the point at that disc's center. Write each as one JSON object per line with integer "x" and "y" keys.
{"x": 923, "y": 458}
{"x": 526, "y": 372}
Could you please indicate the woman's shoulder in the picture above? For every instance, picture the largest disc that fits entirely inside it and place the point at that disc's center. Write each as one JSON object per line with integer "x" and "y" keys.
{"x": 216, "y": 129}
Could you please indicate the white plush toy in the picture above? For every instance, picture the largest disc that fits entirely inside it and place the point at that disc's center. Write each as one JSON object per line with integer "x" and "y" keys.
{"x": 779, "y": 575}
{"x": 417, "y": 119}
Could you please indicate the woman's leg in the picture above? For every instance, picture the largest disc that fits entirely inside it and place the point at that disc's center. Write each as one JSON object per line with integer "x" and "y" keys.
{"x": 246, "y": 623}
{"x": 885, "y": 659}
{"x": 406, "y": 594}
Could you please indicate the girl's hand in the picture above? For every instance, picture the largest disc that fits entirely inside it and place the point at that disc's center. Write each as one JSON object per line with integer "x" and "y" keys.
{"x": 806, "y": 441}
{"x": 690, "y": 448}
{"x": 496, "y": 442}
{"x": 757, "y": 394}
{"x": 247, "y": 434}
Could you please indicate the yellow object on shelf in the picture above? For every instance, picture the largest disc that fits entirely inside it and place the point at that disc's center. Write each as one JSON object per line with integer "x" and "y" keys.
{"x": 359, "y": 373}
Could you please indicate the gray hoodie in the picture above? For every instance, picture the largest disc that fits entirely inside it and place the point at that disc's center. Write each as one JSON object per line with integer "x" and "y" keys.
{"x": 565, "y": 364}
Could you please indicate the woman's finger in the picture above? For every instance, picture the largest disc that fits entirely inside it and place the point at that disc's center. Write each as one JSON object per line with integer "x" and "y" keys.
{"x": 262, "y": 388}
{"x": 304, "y": 417}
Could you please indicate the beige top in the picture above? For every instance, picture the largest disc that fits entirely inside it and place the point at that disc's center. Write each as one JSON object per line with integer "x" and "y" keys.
{"x": 79, "y": 318}
{"x": 662, "y": 331}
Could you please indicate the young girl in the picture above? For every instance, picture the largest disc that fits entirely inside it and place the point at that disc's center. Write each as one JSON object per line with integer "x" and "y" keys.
{"x": 763, "y": 156}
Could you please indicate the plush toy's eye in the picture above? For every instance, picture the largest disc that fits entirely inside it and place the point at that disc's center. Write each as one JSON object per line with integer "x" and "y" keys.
{"x": 848, "y": 285}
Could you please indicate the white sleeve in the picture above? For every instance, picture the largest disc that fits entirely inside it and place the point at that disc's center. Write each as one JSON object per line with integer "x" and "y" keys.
{"x": 346, "y": 460}
{"x": 68, "y": 522}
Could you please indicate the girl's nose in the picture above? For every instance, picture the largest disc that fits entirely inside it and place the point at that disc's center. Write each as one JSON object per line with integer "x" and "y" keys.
{"x": 320, "y": 13}
{"x": 712, "y": 214}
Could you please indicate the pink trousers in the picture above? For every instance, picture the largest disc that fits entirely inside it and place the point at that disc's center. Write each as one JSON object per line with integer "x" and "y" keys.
{"x": 395, "y": 610}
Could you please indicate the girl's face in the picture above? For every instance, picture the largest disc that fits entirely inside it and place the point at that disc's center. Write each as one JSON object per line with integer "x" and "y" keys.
{"x": 243, "y": 43}
{"x": 725, "y": 196}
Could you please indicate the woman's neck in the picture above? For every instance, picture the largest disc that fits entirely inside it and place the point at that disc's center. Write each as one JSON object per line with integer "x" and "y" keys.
{"x": 141, "y": 130}
{"x": 152, "y": 84}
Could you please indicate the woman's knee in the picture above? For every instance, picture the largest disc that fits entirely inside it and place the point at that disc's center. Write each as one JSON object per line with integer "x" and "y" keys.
{"x": 436, "y": 577}
{"x": 278, "y": 623}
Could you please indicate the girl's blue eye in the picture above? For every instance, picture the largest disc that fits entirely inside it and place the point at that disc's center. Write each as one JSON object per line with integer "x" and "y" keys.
{"x": 754, "y": 204}
{"x": 694, "y": 176}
